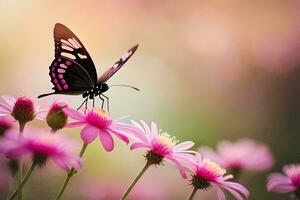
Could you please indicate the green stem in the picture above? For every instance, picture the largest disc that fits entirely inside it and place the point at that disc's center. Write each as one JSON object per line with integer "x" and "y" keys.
{"x": 193, "y": 194}
{"x": 137, "y": 178}
{"x": 69, "y": 175}
{"x": 24, "y": 181}
{"x": 21, "y": 128}
{"x": 64, "y": 186}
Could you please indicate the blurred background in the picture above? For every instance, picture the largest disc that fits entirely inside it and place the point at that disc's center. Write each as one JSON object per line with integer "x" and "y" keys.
{"x": 207, "y": 70}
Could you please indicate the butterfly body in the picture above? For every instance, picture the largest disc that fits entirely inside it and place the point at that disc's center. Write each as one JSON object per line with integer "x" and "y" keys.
{"x": 99, "y": 89}
{"x": 73, "y": 71}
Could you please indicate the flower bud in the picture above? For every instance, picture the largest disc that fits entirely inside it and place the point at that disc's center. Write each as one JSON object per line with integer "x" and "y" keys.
{"x": 23, "y": 110}
{"x": 56, "y": 117}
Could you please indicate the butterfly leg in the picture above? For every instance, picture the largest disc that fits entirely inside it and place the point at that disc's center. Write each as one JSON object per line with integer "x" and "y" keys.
{"x": 86, "y": 105}
{"x": 107, "y": 101}
{"x": 82, "y": 104}
{"x": 93, "y": 102}
{"x": 102, "y": 101}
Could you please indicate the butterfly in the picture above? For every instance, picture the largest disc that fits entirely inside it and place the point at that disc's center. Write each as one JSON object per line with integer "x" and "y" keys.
{"x": 73, "y": 72}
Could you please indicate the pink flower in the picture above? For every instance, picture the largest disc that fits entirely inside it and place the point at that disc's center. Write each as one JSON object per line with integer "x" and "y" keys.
{"x": 287, "y": 182}
{"x": 5, "y": 124}
{"x": 206, "y": 174}
{"x": 41, "y": 146}
{"x": 56, "y": 117}
{"x": 22, "y": 109}
{"x": 98, "y": 122}
{"x": 242, "y": 154}
{"x": 161, "y": 145}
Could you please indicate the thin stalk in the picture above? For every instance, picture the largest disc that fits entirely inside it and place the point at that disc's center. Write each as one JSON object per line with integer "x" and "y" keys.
{"x": 69, "y": 175}
{"x": 137, "y": 178}
{"x": 20, "y": 196}
{"x": 192, "y": 194}
{"x": 24, "y": 181}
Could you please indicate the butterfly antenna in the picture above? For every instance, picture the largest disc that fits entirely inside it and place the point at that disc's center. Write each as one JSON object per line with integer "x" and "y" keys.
{"x": 44, "y": 95}
{"x": 135, "y": 88}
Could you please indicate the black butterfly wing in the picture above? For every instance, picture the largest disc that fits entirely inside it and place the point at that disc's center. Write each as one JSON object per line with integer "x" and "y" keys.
{"x": 72, "y": 71}
{"x": 111, "y": 71}
{"x": 69, "y": 77}
{"x": 68, "y": 45}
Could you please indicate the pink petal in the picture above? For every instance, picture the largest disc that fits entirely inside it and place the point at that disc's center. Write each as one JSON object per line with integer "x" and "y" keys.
{"x": 134, "y": 133}
{"x": 210, "y": 154}
{"x": 146, "y": 128}
{"x": 5, "y": 108}
{"x": 10, "y": 100}
{"x": 106, "y": 140}
{"x": 238, "y": 187}
{"x": 61, "y": 164}
{"x": 154, "y": 129}
{"x": 220, "y": 193}
{"x": 138, "y": 145}
{"x": 178, "y": 165}
{"x": 237, "y": 195}
{"x": 121, "y": 137}
{"x": 72, "y": 113}
{"x": 89, "y": 134}
{"x": 75, "y": 124}
{"x": 41, "y": 114}
{"x": 184, "y": 146}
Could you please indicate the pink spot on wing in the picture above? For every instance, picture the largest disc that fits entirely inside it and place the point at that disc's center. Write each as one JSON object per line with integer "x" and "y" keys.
{"x": 63, "y": 66}
{"x": 55, "y": 64}
{"x": 60, "y": 76}
{"x": 53, "y": 75}
{"x": 61, "y": 70}
{"x": 59, "y": 60}
{"x": 55, "y": 80}
{"x": 59, "y": 87}
{"x": 68, "y": 62}
{"x": 63, "y": 81}
{"x": 66, "y": 86}
{"x": 53, "y": 69}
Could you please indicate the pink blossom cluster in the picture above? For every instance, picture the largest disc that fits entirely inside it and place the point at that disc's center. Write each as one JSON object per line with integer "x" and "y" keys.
{"x": 206, "y": 168}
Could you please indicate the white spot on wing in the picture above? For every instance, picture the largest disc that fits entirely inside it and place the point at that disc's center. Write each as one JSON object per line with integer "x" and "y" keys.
{"x": 63, "y": 66}
{"x": 82, "y": 56}
{"x": 68, "y": 55}
{"x": 66, "y": 42}
{"x": 74, "y": 43}
{"x": 77, "y": 43}
{"x": 66, "y": 47}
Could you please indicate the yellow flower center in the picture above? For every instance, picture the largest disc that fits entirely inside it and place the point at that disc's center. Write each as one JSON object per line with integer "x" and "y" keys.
{"x": 166, "y": 139}
{"x": 101, "y": 112}
{"x": 214, "y": 167}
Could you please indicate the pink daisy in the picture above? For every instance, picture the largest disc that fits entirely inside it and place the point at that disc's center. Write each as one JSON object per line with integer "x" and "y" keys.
{"x": 22, "y": 109}
{"x": 160, "y": 145}
{"x": 206, "y": 174}
{"x": 41, "y": 146}
{"x": 97, "y": 122}
{"x": 240, "y": 155}
{"x": 287, "y": 182}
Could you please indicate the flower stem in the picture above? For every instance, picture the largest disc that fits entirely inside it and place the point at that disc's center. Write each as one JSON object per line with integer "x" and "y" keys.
{"x": 137, "y": 178}
{"x": 69, "y": 175}
{"x": 21, "y": 129}
{"x": 193, "y": 194}
{"x": 23, "y": 182}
